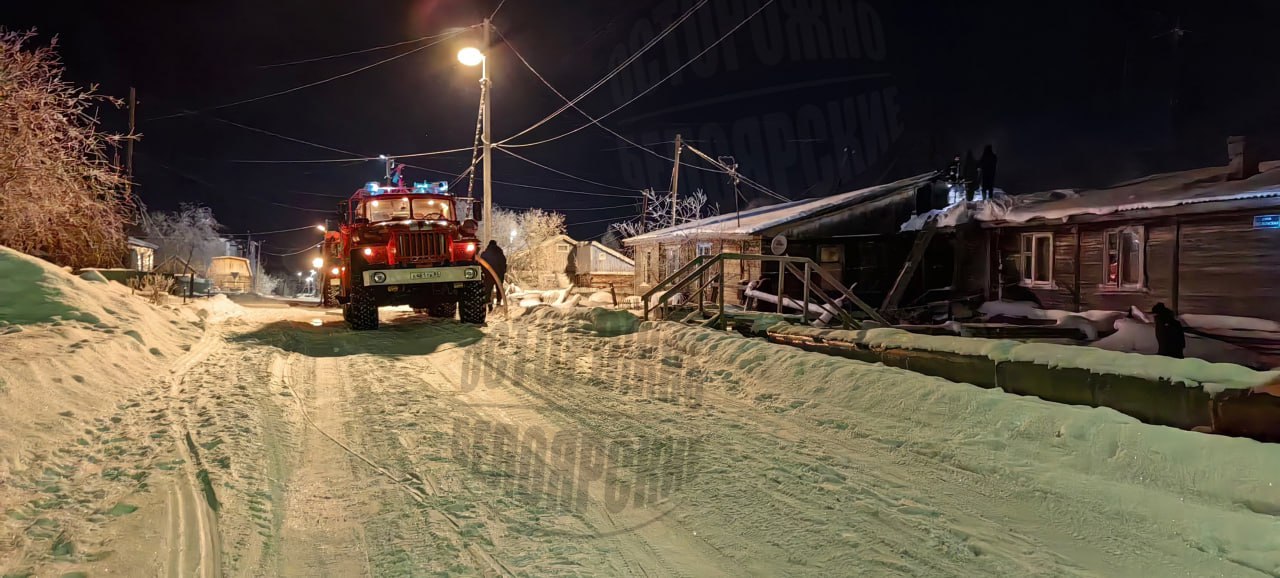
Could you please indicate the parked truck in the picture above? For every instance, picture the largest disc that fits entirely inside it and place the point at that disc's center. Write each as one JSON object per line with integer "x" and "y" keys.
{"x": 399, "y": 245}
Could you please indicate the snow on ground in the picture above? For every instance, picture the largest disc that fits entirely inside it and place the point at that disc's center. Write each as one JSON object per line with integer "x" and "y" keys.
{"x": 568, "y": 441}
{"x": 79, "y": 360}
{"x": 1137, "y": 337}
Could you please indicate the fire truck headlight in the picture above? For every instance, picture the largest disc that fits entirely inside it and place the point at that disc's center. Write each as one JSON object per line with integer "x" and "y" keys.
{"x": 471, "y": 247}
{"x": 317, "y": 262}
{"x": 379, "y": 277}
{"x": 368, "y": 251}
{"x": 335, "y": 272}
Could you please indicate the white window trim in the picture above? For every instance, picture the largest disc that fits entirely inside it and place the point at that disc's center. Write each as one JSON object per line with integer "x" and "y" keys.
{"x": 1030, "y": 281}
{"x": 1120, "y": 285}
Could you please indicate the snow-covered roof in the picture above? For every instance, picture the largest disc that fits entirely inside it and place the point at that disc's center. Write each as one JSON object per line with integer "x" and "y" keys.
{"x": 1164, "y": 190}
{"x": 136, "y": 242}
{"x": 607, "y": 249}
{"x": 754, "y": 221}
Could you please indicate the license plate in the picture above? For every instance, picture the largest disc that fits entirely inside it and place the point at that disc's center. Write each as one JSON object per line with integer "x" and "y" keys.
{"x": 424, "y": 274}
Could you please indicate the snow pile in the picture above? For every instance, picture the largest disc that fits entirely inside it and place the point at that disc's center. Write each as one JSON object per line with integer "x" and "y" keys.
{"x": 963, "y": 212}
{"x": 1207, "y": 493}
{"x": 1136, "y": 337}
{"x": 1213, "y": 377}
{"x": 887, "y": 338}
{"x": 1229, "y": 322}
{"x": 601, "y": 297}
{"x": 597, "y": 321}
{"x": 1096, "y": 320}
{"x": 72, "y": 349}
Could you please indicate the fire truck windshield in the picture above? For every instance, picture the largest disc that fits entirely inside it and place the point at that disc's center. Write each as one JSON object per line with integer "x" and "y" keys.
{"x": 400, "y": 208}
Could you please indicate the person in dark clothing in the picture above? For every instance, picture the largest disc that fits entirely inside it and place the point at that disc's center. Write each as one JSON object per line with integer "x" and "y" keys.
{"x": 1170, "y": 336}
{"x": 987, "y": 166}
{"x": 953, "y": 169}
{"x": 496, "y": 259}
{"x": 969, "y": 175}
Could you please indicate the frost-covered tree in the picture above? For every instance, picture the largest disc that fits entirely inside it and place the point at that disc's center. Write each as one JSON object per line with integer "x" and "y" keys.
{"x": 658, "y": 214}
{"x": 190, "y": 232}
{"x": 524, "y": 237}
{"x": 60, "y": 196}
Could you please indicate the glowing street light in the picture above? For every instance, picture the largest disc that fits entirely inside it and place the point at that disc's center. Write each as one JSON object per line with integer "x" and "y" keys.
{"x": 472, "y": 56}
{"x": 317, "y": 263}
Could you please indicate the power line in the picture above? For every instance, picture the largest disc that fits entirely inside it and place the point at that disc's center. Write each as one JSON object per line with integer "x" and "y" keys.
{"x": 560, "y": 172}
{"x": 584, "y": 113}
{"x": 596, "y": 120}
{"x": 613, "y": 219}
{"x": 495, "y": 10}
{"x": 362, "y": 51}
{"x": 294, "y": 252}
{"x": 626, "y": 206}
{"x": 353, "y": 159}
{"x": 311, "y": 84}
{"x": 269, "y": 232}
{"x": 615, "y": 71}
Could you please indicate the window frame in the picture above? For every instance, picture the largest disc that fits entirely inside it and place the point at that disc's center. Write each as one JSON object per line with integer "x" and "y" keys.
{"x": 1027, "y": 260}
{"x": 1120, "y": 284}
{"x": 703, "y": 248}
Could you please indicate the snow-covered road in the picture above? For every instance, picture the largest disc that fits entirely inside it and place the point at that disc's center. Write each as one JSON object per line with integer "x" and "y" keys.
{"x": 579, "y": 443}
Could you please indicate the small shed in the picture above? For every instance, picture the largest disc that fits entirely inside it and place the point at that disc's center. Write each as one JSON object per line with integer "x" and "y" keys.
{"x": 231, "y": 274}
{"x": 597, "y": 265}
{"x": 141, "y": 255}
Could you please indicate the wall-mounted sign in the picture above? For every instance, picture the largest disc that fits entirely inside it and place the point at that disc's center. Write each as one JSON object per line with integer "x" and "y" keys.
{"x": 779, "y": 245}
{"x": 1266, "y": 221}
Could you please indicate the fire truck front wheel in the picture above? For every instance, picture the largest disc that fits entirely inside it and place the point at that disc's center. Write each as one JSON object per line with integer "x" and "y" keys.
{"x": 442, "y": 310}
{"x": 362, "y": 310}
{"x": 473, "y": 303}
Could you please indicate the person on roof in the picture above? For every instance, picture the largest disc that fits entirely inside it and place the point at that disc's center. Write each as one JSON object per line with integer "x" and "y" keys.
{"x": 1171, "y": 339}
{"x": 969, "y": 174}
{"x": 497, "y": 260}
{"x": 987, "y": 168}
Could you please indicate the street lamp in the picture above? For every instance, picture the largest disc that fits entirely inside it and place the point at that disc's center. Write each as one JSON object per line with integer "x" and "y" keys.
{"x": 317, "y": 263}
{"x": 471, "y": 56}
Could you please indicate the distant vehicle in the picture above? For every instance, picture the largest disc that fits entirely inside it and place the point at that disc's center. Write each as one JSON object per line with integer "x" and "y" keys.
{"x": 397, "y": 245}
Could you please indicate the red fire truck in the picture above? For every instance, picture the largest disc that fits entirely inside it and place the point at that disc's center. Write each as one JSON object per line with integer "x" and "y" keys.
{"x": 399, "y": 245}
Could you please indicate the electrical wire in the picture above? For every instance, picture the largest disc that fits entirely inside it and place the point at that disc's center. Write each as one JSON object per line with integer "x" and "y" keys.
{"x": 560, "y": 172}
{"x": 615, "y": 71}
{"x": 495, "y": 10}
{"x": 258, "y": 233}
{"x": 596, "y": 120}
{"x": 365, "y": 50}
{"x": 553, "y": 89}
{"x": 613, "y": 219}
{"x": 628, "y": 205}
{"x": 294, "y": 252}
{"x": 311, "y": 84}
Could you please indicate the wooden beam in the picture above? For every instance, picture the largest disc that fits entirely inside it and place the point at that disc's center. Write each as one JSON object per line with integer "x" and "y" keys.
{"x": 923, "y": 238}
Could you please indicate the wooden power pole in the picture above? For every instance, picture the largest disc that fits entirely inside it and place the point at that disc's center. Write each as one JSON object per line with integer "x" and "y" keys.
{"x": 128, "y": 157}
{"x": 675, "y": 179}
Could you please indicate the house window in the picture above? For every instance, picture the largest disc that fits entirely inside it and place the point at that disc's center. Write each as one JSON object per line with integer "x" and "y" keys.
{"x": 704, "y": 248}
{"x": 1123, "y": 251}
{"x": 1035, "y": 261}
{"x": 831, "y": 260}
{"x": 562, "y": 248}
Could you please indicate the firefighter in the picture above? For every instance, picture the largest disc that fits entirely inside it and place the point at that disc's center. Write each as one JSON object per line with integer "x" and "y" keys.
{"x": 987, "y": 170}
{"x": 497, "y": 260}
{"x": 1170, "y": 336}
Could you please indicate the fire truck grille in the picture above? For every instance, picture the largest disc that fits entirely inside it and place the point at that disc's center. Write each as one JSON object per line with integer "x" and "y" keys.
{"x": 421, "y": 246}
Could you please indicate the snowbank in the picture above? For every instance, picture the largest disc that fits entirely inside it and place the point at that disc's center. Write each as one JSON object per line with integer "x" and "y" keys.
{"x": 1229, "y": 322}
{"x": 597, "y": 320}
{"x": 1213, "y": 377}
{"x": 73, "y": 350}
{"x": 1205, "y": 492}
{"x": 1090, "y": 322}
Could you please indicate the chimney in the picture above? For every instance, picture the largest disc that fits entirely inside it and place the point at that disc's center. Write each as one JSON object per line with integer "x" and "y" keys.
{"x": 1243, "y": 159}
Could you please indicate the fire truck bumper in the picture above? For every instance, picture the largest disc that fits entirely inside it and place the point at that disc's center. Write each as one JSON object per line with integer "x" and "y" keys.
{"x": 382, "y": 277}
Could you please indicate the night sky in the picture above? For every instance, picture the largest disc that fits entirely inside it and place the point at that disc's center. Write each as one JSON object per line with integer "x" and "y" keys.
{"x": 811, "y": 96}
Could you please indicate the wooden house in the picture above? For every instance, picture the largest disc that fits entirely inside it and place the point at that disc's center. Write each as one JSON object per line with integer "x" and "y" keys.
{"x": 1203, "y": 241}
{"x": 596, "y": 265}
{"x": 855, "y": 236}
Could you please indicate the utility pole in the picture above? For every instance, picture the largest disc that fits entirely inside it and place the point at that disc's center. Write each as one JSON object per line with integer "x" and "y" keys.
{"x": 487, "y": 94}
{"x": 733, "y": 176}
{"x": 133, "y": 117}
{"x": 644, "y": 212}
{"x": 675, "y": 179}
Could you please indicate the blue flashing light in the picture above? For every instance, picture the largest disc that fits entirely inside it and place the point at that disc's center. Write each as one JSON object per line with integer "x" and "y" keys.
{"x": 372, "y": 187}
{"x": 436, "y": 188}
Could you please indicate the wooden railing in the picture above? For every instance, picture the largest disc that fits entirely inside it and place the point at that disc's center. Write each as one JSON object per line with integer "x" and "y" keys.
{"x": 700, "y": 268}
